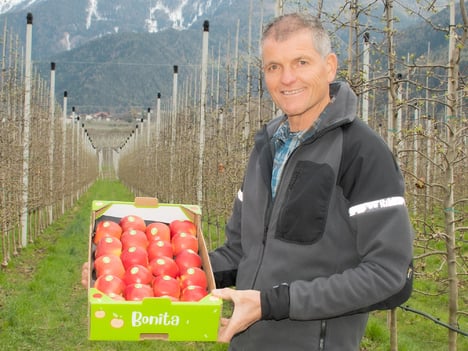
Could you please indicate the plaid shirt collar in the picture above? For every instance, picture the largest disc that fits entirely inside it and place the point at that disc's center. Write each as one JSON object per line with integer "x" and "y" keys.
{"x": 285, "y": 142}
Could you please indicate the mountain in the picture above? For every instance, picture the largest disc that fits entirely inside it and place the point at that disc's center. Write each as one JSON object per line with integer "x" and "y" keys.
{"x": 118, "y": 54}
{"x": 66, "y": 24}
{"x": 128, "y": 66}
{"x": 61, "y": 25}
{"x": 125, "y": 71}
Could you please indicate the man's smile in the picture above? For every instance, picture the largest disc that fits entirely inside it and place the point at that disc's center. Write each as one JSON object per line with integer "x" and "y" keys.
{"x": 292, "y": 92}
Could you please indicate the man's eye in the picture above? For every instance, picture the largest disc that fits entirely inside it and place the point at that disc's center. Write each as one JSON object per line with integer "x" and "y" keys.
{"x": 272, "y": 68}
{"x": 302, "y": 62}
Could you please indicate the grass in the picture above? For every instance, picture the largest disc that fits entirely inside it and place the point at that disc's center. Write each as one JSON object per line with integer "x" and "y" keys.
{"x": 42, "y": 303}
{"x": 415, "y": 332}
{"x": 44, "y": 307}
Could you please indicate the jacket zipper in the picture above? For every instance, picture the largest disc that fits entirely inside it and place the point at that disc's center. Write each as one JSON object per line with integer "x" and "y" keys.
{"x": 268, "y": 213}
{"x": 323, "y": 332}
{"x": 265, "y": 231}
{"x": 267, "y": 217}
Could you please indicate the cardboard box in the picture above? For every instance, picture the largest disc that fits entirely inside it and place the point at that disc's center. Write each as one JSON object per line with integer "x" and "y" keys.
{"x": 151, "y": 318}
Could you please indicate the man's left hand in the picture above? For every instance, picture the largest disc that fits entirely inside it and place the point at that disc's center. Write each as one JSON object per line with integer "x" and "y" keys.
{"x": 247, "y": 311}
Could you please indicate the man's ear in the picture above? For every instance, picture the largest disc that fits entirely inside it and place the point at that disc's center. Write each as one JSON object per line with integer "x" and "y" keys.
{"x": 332, "y": 64}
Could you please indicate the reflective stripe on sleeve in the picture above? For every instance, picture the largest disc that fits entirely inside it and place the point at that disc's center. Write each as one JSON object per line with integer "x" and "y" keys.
{"x": 240, "y": 195}
{"x": 377, "y": 204}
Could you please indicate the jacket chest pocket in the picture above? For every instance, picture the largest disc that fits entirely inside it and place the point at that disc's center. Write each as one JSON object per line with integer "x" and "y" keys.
{"x": 304, "y": 212}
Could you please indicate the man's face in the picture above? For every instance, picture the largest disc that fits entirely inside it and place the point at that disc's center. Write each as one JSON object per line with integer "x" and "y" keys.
{"x": 297, "y": 76}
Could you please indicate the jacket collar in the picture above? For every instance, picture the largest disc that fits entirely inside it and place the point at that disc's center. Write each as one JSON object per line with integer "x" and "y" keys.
{"x": 341, "y": 111}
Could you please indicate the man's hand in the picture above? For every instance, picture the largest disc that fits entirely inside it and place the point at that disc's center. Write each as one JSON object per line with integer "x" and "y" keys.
{"x": 85, "y": 274}
{"x": 247, "y": 311}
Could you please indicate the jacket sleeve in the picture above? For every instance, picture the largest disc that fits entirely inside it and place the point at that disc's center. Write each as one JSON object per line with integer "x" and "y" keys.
{"x": 373, "y": 184}
{"x": 225, "y": 259}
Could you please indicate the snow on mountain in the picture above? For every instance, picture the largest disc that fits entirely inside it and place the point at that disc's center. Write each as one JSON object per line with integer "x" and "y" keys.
{"x": 92, "y": 12}
{"x": 160, "y": 14}
{"x": 180, "y": 14}
{"x": 7, "y": 5}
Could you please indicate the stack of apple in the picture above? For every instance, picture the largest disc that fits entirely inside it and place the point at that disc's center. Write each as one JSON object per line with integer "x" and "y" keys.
{"x": 133, "y": 260}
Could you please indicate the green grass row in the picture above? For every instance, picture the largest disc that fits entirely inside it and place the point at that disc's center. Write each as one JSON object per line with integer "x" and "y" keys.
{"x": 42, "y": 303}
{"x": 44, "y": 307}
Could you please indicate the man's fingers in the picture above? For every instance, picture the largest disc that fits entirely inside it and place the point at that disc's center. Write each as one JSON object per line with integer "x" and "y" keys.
{"x": 223, "y": 337}
{"x": 224, "y": 322}
{"x": 225, "y": 333}
{"x": 224, "y": 294}
{"x": 245, "y": 313}
{"x": 222, "y": 328}
{"x": 84, "y": 274}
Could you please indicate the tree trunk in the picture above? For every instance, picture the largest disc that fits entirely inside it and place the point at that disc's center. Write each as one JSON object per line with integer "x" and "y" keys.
{"x": 451, "y": 120}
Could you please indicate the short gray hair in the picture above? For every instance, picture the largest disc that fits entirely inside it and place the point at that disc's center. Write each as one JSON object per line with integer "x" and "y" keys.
{"x": 282, "y": 27}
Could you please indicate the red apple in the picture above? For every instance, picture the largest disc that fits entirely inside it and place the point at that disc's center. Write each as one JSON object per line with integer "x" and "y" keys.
{"x": 193, "y": 293}
{"x": 109, "y": 264}
{"x": 186, "y": 259}
{"x": 164, "y": 265}
{"x": 110, "y": 285}
{"x": 193, "y": 276}
{"x": 134, "y": 255}
{"x": 137, "y": 274}
{"x": 108, "y": 245}
{"x": 183, "y": 241}
{"x": 132, "y": 222}
{"x": 179, "y": 226}
{"x": 159, "y": 248}
{"x": 137, "y": 292}
{"x": 158, "y": 231}
{"x": 107, "y": 228}
{"x": 134, "y": 237}
{"x": 165, "y": 285}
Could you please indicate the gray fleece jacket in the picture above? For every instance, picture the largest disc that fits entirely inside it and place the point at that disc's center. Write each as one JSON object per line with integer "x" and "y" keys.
{"x": 335, "y": 240}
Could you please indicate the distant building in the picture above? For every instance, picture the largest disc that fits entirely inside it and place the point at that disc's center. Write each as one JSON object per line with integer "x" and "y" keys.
{"x": 102, "y": 116}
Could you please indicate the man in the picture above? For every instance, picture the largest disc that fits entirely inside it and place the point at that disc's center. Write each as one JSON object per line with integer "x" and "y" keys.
{"x": 319, "y": 231}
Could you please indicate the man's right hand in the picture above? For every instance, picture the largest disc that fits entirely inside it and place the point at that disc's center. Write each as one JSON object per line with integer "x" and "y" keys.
{"x": 85, "y": 274}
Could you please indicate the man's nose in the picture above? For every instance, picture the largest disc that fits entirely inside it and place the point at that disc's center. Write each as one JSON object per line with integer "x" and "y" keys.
{"x": 288, "y": 75}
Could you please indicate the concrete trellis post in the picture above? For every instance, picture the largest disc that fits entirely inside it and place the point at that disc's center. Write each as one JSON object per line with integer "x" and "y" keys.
{"x": 4, "y": 57}
{"x": 399, "y": 121}
{"x": 64, "y": 146}
{"x": 247, "y": 117}
{"x": 79, "y": 155}
{"x": 236, "y": 76}
{"x": 173, "y": 123}
{"x": 391, "y": 69}
{"x": 365, "y": 68}
{"x": 51, "y": 138}
{"x": 15, "y": 73}
{"x": 415, "y": 140}
{"x": 157, "y": 130}
{"x": 158, "y": 118}
{"x": 148, "y": 127}
{"x": 26, "y": 132}
{"x": 204, "y": 72}
{"x": 73, "y": 150}
{"x": 279, "y": 8}
{"x": 99, "y": 154}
